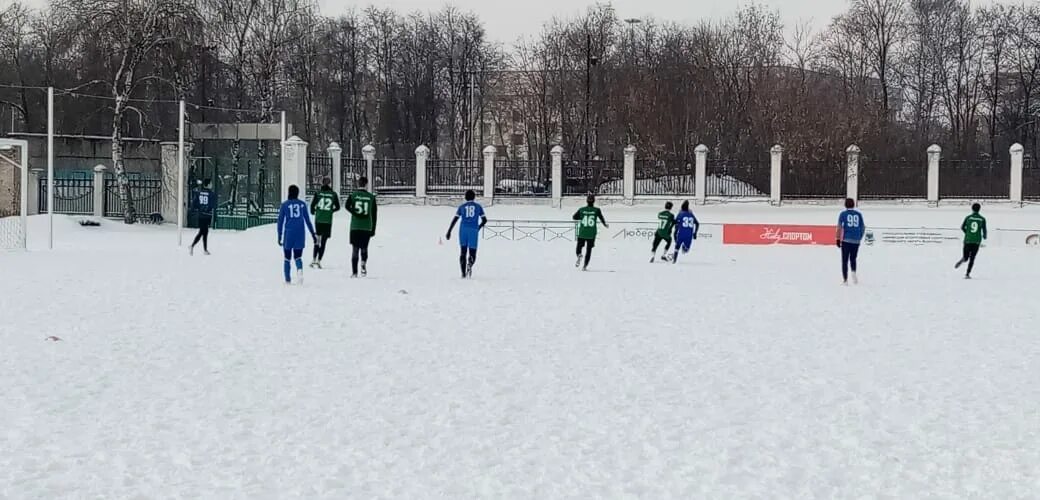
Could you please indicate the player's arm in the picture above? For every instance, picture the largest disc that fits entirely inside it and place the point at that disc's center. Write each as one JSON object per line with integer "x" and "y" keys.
{"x": 985, "y": 233}
{"x": 454, "y": 220}
{"x": 281, "y": 222}
{"x": 310, "y": 227}
{"x": 314, "y": 204}
{"x": 599, "y": 213}
{"x": 577, "y": 215}
{"x": 838, "y": 232}
{"x": 483, "y": 222}
{"x": 964, "y": 225}
{"x": 335, "y": 203}
{"x": 350, "y": 204}
{"x": 696, "y": 226}
{"x": 375, "y": 212}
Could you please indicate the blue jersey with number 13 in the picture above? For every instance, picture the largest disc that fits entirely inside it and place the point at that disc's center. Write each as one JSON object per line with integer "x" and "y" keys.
{"x": 470, "y": 213}
{"x": 851, "y": 223}
{"x": 294, "y": 221}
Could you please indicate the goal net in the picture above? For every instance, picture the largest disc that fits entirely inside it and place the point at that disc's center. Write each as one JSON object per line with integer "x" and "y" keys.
{"x": 14, "y": 194}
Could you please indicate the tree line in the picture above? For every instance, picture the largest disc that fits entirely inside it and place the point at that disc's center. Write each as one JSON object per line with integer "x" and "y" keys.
{"x": 892, "y": 76}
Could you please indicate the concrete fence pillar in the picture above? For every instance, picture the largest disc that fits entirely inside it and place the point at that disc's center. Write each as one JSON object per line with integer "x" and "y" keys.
{"x": 852, "y": 172}
{"x": 776, "y": 170}
{"x": 336, "y": 154}
{"x": 369, "y": 154}
{"x": 700, "y": 173}
{"x": 421, "y": 154}
{"x": 294, "y": 165}
{"x": 1017, "y": 152}
{"x": 557, "y": 174}
{"x": 934, "y": 155}
{"x": 168, "y": 162}
{"x": 99, "y": 190}
{"x": 35, "y": 174}
{"x": 629, "y": 174}
{"x": 489, "y": 171}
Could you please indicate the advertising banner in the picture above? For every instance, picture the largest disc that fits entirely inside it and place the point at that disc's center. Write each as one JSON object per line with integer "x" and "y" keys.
{"x": 777, "y": 234}
{"x": 912, "y": 236}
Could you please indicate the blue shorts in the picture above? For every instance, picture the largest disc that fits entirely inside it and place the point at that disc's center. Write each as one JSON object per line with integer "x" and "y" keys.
{"x": 292, "y": 253}
{"x": 469, "y": 237}
{"x": 684, "y": 242}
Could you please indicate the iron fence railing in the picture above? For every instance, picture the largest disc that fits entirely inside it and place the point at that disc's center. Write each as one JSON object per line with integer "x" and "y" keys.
{"x": 393, "y": 177}
{"x": 318, "y": 167}
{"x": 71, "y": 196}
{"x": 146, "y": 193}
{"x": 523, "y": 178}
{"x": 808, "y": 179}
{"x": 976, "y": 179}
{"x": 1030, "y": 179}
{"x": 662, "y": 177}
{"x": 728, "y": 178}
{"x": 604, "y": 177}
{"x": 892, "y": 179}
{"x": 454, "y": 177}
{"x": 351, "y": 169}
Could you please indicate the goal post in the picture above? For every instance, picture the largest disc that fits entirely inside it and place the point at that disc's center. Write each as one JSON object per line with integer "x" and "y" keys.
{"x": 14, "y": 193}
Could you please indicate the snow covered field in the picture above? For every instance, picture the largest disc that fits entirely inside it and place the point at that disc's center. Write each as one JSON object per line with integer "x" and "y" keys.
{"x": 740, "y": 372}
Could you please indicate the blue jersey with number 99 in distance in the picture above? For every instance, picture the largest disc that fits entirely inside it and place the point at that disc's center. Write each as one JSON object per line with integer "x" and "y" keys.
{"x": 852, "y": 226}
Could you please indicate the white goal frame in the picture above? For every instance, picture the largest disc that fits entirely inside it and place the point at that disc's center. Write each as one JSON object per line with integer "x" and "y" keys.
{"x": 23, "y": 146}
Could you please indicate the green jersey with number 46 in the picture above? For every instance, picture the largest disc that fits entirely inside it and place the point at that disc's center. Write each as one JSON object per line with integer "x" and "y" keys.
{"x": 665, "y": 224}
{"x": 588, "y": 218}
{"x": 974, "y": 228}
{"x": 362, "y": 205}
{"x": 323, "y": 205}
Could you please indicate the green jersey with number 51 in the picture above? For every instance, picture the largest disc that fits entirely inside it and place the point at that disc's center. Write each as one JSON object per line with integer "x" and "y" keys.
{"x": 362, "y": 206}
{"x": 588, "y": 218}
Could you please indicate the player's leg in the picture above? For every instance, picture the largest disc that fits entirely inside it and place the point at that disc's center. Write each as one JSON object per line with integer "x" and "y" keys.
{"x": 366, "y": 237}
{"x": 577, "y": 252}
{"x": 198, "y": 236}
{"x": 853, "y": 256}
{"x": 844, "y": 262}
{"x": 965, "y": 254}
{"x": 973, "y": 251}
{"x": 324, "y": 240}
{"x": 462, "y": 259}
{"x": 355, "y": 252}
{"x": 589, "y": 244}
{"x": 204, "y": 229}
{"x": 287, "y": 265}
{"x": 472, "y": 261}
{"x": 298, "y": 257}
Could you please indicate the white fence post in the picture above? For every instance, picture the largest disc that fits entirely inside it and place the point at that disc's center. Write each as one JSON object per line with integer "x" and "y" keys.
{"x": 336, "y": 154}
{"x": 629, "y": 174}
{"x": 35, "y": 174}
{"x": 369, "y": 154}
{"x": 701, "y": 174}
{"x": 557, "y": 174}
{"x": 99, "y": 190}
{"x": 294, "y": 165}
{"x": 421, "y": 154}
{"x": 776, "y": 170}
{"x": 489, "y": 172}
{"x": 852, "y": 172}
{"x": 934, "y": 155}
{"x": 1016, "y": 172}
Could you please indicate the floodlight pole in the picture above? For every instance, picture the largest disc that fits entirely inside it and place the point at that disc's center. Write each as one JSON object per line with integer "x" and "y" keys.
{"x": 283, "y": 126}
{"x": 180, "y": 173}
{"x": 50, "y": 168}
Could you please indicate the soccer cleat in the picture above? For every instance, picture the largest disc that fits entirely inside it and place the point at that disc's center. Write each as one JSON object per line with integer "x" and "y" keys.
{"x": 299, "y": 276}
{"x": 469, "y": 270}
{"x": 314, "y": 264}
{"x": 364, "y": 270}
{"x": 318, "y": 264}
{"x": 352, "y": 276}
{"x": 652, "y": 257}
{"x": 958, "y": 264}
{"x": 967, "y": 276}
{"x": 205, "y": 252}
{"x": 577, "y": 263}
{"x": 191, "y": 250}
{"x": 855, "y": 279}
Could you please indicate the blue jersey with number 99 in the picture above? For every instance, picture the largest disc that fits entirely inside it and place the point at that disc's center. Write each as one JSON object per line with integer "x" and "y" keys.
{"x": 852, "y": 227}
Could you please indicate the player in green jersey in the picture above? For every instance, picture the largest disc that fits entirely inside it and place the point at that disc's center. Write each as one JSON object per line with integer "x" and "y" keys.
{"x": 665, "y": 223}
{"x": 362, "y": 206}
{"x": 588, "y": 217}
{"x": 324, "y": 203}
{"x": 974, "y": 228}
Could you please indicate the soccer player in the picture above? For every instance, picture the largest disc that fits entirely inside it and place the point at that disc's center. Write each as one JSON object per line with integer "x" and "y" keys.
{"x": 203, "y": 203}
{"x": 849, "y": 235}
{"x": 974, "y": 228}
{"x": 686, "y": 228}
{"x": 588, "y": 217}
{"x": 665, "y": 223}
{"x": 323, "y": 205}
{"x": 469, "y": 232}
{"x": 292, "y": 217}
{"x": 362, "y": 206}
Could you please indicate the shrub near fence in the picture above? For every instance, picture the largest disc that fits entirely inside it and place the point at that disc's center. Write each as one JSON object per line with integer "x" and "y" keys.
{"x": 351, "y": 169}
{"x": 1030, "y": 179}
{"x": 523, "y": 178}
{"x": 976, "y": 179}
{"x": 71, "y": 196}
{"x": 603, "y": 177}
{"x": 318, "y": 167}
{"x": 737, "y": 178}
{"x": 808, "y": 179}
{"x": 665, "y": 177}
{"x": 393, "y": 177}
{"x": 454, "y": 177}
{"x": 893, "y": 179}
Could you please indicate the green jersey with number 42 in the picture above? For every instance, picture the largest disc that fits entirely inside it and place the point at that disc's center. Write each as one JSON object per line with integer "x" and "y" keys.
{"x": 588, "y": 218}
{"x": 362, "y": 205}
{"x": 323, "y": 205}
{"x": 974, "y": 228}
{"x": 665, "y": 224}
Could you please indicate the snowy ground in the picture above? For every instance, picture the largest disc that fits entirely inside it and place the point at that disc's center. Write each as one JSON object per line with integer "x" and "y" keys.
{"x": 738, "y": 373}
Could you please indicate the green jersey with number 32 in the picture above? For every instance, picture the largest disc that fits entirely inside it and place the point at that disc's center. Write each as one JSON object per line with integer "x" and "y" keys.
{"x": 588, "y": 218}
{"x": 362, "y": 205}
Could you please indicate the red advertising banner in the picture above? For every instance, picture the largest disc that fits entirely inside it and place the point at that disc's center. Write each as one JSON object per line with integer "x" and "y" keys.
{"x": 776, "y": 234}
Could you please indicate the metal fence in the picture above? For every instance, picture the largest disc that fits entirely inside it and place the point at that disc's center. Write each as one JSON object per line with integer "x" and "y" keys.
{"x": 71, "y": 196}
{"x": 318, "y": 167}
{"x": 523, "y": 178}
{"x": 581, "y": 177}
{"x": 977, "y": 179}
{"x": 893, "y": 179}
{"x": 351, "y": 169}
{"x": 146, "y": 193}
{"x": 665, "y": 177}
{"x": 393, "y": 177}
{"x": 454, "y": 177}
{"x": 248, "y": 190}
{"x": 808, "y": 179}
{"x": 737, "y": 178}
{"x": 1031, "y": 179}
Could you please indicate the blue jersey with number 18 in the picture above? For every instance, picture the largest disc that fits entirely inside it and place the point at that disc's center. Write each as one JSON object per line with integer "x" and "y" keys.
{"x": 470, "y": 213}
{"x": 851, "y": 224}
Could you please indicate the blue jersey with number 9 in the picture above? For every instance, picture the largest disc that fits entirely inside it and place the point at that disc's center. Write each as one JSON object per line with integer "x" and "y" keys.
{"x": 852, "y": 227}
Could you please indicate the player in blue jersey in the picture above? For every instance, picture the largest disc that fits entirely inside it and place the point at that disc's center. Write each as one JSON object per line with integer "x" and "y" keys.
{"x": 204, "y": 204}
{"x": 292, "y": 218}
{"x": 686, "y": 228}
{"x": 473, "y": 220}
{"x": 849, "y": 235}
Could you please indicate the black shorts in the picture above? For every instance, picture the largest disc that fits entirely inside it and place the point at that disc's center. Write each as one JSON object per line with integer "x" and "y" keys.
{"x": 359, "y": 238}
{"x": 587, "y": 242}
{"x": 204, "y": 221}
{"x": 323, "y": 229}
